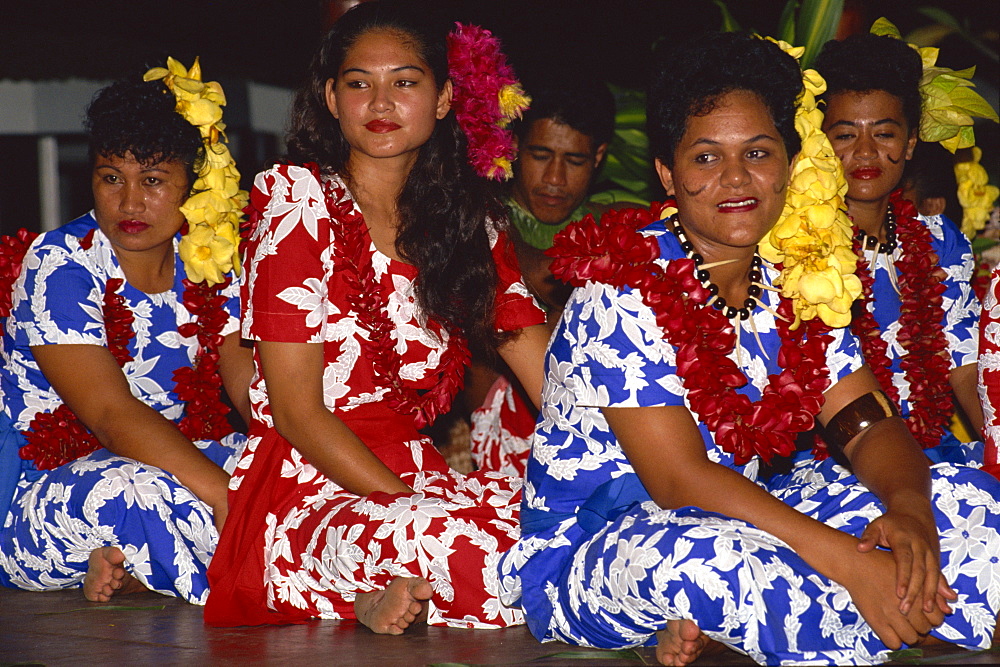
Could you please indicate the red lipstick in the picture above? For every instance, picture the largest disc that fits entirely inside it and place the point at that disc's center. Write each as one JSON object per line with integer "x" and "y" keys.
{"x": 866, "y": 173}
{"x": 738, "y": 205}
{"x": 381, "y": 126}
{"x": 132, "y": 226}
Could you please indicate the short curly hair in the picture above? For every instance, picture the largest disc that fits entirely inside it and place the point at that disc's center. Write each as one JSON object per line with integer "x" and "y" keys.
{"x": 690, "y": 77}
{"x": 866, "y": 62}
{"x": 138, "y": 117}
{"x": 586, "y": 106}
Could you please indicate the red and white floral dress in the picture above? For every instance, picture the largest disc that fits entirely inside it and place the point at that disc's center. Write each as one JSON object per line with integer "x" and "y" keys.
{"x": 989, "y": 373}
{"x": 296, "y": 545}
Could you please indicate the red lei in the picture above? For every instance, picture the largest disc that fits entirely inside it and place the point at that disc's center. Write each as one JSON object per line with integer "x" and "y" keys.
{"x": 58, "y": 437}
{"x": 617, "y": 254}
{"x": 926, "y": 363}
{"x": 352, "y": 243}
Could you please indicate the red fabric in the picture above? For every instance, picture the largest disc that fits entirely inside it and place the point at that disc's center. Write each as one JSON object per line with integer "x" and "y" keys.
{"x": 989, "y": 373}
{"x": 297, "y": 546}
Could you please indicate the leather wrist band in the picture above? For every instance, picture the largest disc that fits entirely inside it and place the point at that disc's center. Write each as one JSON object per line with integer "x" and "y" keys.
{"x": 855, "y": 417}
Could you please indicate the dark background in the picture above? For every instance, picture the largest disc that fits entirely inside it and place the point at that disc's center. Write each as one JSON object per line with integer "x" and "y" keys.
{"x": 272, "y": 41}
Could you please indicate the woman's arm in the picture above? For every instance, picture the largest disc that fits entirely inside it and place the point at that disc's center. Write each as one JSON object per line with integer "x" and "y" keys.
{"x": 964, "y": 381}
{"x": 888, "y": 461}
{"x": 525, "y": 355}
{"x": 236, "y": 368}
{"x": 93, "y": 386}
{"x": 294, "y": 376}
{"x": 666, "y": 450}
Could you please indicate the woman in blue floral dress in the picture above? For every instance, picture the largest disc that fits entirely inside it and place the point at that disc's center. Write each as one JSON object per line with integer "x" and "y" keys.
{"x": 653, "y": 511}
{"x": 115, "y": 452}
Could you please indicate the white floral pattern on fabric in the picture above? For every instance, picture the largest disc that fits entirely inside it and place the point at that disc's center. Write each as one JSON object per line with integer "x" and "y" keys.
{"x": 58, "y": 517}
{"x": 612, "y": 580}
{"x": 322, "y": 544}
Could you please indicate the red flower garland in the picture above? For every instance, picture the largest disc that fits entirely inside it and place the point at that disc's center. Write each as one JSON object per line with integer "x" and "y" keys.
{"x": 926, "y": 364}
{"x": 616, "y": 254}
{"x": 58, "y": 437}
{"x": 352, "y": 242}
{"x": 12, "y": 251}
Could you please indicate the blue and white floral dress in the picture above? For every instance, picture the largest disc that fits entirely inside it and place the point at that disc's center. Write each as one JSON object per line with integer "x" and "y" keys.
{"x": 600, "y": 564}
{"x": 51, "y": 520}
{"x": 961, "y": 320}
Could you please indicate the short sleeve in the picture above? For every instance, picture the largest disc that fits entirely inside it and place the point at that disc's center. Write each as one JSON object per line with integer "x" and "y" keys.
{"x": 288, "y": 258}
{"x": 515, "y": 308}
{"x": 609, "y": 351}
{"x": 57, "y": 300}
{"x": 232, "y": 306}
{"x": 961, "y": 307}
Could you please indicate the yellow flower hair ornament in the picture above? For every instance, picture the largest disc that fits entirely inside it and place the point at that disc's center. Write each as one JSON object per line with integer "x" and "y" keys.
{"x": 812, "y": 238}
{"x": 210, "y": 248}
{"x": 975, "y": 194}
{"x": 949, "y": 101}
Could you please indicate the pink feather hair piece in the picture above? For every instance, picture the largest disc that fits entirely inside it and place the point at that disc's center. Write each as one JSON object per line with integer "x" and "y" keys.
{"x": 487, "y": 97}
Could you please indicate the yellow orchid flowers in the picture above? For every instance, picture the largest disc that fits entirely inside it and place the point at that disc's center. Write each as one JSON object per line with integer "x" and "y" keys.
{"x": 975, "y": 194}
{"x": 210, "y": 249}
{"x": 812, "y": 238}
{"x": 949, "y": 101}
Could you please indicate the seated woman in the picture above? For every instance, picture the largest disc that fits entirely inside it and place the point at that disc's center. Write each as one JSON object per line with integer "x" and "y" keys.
{"x": 114, "y": 445}
{"x": 919, "y": 328}
{"x": 373, "y": 256}
{"x": 647, "y": 513}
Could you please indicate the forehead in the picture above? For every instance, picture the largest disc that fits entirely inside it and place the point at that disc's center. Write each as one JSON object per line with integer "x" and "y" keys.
{"x": 382, "y": 49}
{"x": 557, "y": 137}
{"x": 872, "y": 105}
{"x": 736, "y": 116}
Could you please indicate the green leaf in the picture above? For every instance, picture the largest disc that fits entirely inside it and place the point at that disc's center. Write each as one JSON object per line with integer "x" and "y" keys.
{"x": 616, "y": 195}
{"x": 929, "y": 35}
{"x": 973, "y": 103}
{"x": 884, "y": 26}
{"x": 786, "y": 23}
{"x": 817, "y": 25}
{"x": 939, "y": 15}
{"x": 914, "y": 656}
{"x": 729, "y": 23}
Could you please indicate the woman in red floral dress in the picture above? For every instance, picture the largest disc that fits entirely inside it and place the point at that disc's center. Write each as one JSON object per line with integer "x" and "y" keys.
{"x": 372, "y": 259}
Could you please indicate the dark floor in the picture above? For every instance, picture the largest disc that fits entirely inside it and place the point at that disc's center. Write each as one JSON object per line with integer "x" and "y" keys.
{"x": 61, "y": 628}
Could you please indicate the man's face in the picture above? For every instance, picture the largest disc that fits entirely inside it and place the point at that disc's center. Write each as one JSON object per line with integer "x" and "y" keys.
{"x": 554, "y": 168}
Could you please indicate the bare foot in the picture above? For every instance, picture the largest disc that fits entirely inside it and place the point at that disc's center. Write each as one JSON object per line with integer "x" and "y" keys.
{"x": 391, "y": 611}
{"x": 107, "y": 576}
{"x": 680, "y": 643}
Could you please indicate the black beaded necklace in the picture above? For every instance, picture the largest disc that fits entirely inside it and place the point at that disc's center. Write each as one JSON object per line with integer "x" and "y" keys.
{"x": 716, "y": 301}
{"x": 869, "y": 242}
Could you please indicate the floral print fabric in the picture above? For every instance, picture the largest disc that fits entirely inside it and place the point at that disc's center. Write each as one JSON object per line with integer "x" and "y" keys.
{"x": 600, "y": 564}
{"x": 57, "y": 517}
{"x": 303, "y": 547}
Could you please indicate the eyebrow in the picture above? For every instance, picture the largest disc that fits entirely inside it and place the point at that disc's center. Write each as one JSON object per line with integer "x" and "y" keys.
{"x": 396, "y": 69}
{"x": 884, "y": 121}
{"x": 144, "y": 170}
{"x": 711, "y": 142}
{"x": 537, "y": 148}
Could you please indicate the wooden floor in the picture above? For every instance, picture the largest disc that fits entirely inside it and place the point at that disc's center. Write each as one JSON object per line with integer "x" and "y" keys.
{"x": 61, "y": 628}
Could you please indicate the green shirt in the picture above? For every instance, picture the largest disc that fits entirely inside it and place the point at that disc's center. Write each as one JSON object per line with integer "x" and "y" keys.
{"x": 535, "y": 233}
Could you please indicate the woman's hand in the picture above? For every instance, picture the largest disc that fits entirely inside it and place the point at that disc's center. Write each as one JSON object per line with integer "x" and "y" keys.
{"x": 870, "y": 583}
{"x": 913, "y": 540}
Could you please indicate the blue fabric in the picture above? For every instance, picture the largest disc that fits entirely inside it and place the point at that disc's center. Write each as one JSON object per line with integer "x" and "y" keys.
{"x": 51, "y": 520}
{"x": 606, "y": 570}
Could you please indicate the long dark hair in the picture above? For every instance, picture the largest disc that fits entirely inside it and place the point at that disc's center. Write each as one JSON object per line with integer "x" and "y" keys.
{"x": 444, "y": 208}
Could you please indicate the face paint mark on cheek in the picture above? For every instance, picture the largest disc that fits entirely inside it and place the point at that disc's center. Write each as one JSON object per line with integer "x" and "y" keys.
{"x": 693, "y": 193}
{"x": 894, "y": 161}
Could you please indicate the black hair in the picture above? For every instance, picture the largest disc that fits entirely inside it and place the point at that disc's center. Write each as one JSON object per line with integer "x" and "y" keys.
{"x": 587, "y": 107}
{"x": 690, "y": 77}
{"x": 864, "y": 63}
{"x": 931, "y": 173}
{"x": 444, "y": 208}
{"x": 138, "y": 117}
